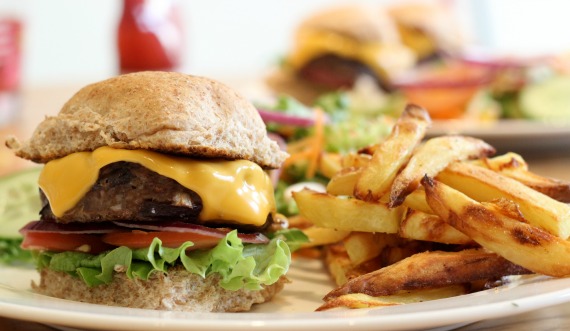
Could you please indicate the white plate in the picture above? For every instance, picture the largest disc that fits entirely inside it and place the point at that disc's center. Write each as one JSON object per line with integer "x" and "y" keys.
{"x": 509, "y": 135}
{"x": 292, "y": 309}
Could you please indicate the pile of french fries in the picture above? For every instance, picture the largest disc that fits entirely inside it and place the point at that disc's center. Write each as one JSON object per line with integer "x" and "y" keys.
{"x": 408, "y": 220}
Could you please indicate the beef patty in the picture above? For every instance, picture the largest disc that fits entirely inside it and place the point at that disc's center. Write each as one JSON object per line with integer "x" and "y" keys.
{"x": 334, "y": 72}
{"x": 130, "y": 192}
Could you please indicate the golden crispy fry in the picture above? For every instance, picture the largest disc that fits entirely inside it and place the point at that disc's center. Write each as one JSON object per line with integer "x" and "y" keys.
{"x": 299, "y": 222}
{"x": 392, "y": 154}
{"x": 370, "y": 149}
{"x": 340, "y": 266}
{"x": 323, "y": 236}
{"x": 343, "y": 182}
{"x": 393, "y": 254}
{"x": 514, "y": 166}
{"x": 486, "y": 185}
{"x": 417, "y": 200}
{"x": 359, "y": 300}
{"x": 330, "y": 164}
{"x": 421, "y": 226}
{"x": 501, "y": 162}
{"x": 429, "y": 270}
{"x": 338, "y": 263}
{"x": 363, "y": 246}
{"x": 349, "y": 214}
{"x": 433, "y": 157}
{"x": 516, "y": 241}
{"x": 355, "y": 160}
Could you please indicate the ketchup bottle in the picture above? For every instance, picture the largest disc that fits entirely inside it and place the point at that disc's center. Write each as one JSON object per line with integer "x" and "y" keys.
{"x": 149, "y": 36}
{"x": 10, "y": 68}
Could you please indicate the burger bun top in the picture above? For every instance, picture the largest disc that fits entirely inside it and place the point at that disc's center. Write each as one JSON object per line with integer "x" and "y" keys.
{"x": 166, "y": 112}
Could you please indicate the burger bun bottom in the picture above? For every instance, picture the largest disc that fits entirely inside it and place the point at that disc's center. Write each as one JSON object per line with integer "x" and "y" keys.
{"x": 178, "y": 290}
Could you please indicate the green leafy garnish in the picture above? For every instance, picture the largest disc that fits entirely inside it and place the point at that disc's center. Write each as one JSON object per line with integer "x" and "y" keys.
{"x": 11, "y": 253}
{"x": 19, "y": 204}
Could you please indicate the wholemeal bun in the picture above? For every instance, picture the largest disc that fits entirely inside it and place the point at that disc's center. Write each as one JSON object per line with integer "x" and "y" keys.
{"x": 366, "y": 24}
{"x": 178, "y": 290}
{"x": 161, "y": 111}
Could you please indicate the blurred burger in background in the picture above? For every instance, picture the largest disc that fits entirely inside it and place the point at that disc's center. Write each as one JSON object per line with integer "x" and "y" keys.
{"x": 336, "y": 47}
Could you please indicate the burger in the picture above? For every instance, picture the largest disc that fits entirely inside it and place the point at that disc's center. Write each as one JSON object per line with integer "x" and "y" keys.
{"x": 429, "y": 29}
{"x": 155, "y": 195}
{"x": 335, "y": 47}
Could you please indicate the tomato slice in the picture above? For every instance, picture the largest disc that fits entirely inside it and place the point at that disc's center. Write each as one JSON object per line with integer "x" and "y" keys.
{"x": 142, "y": 239}
{"x": 61, "y": 242}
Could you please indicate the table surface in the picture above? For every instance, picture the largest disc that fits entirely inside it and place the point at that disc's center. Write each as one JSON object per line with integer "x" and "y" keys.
{"x": 37, "y": 103}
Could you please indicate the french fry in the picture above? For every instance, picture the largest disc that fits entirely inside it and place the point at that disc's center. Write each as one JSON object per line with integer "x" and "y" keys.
{"x": 516, "y": 241}
{"x": 355, "y": 160}
{"x": 360, "y": 300}
{"x": 431, "y": 269}
{"x": 344, "y": 181}
{"x": 299, "y": 222}
{"x": 338, "y": 263}
{"x": 363, "y": 246}
{"x": 499, "y": 163}
{"x": 392, "y": 154}
{"x": 393, "y": 254}
{"x": 349, "y": 214}
{"x": 421, "y": 226}
{"x": 370, "y": 149}
{"x": 514, "y": 166}
{"x": 431, "y": 158}
{"x": 486, "y": 185}
{"x": 330, "y": 164}
{"x": 319, "y": 236}
{"x": 341, "y": 267}
{"x": 417, "y": 200}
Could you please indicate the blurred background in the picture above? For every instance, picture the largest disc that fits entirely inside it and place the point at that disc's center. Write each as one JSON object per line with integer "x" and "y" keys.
{"x": 50, "y": 49}
{"x": 74, "y": 42}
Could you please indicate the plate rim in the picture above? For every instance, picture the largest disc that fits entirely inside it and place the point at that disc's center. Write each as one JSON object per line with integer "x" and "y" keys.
{"x": 361, "y": 319}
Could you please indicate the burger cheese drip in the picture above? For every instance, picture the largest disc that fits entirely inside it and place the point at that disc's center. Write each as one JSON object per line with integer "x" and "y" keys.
{"x": 236, "y": 191}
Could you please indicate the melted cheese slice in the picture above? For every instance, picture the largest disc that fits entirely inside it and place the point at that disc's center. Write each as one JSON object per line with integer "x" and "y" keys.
{"x": 416, "y": 39}
{"x": 233, "y": 191}
{"x": 383, "y": 59}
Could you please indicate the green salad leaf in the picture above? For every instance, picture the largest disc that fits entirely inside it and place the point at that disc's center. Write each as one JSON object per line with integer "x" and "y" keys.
{"x": 240, "y": 265}
{"x": 356, "y": 132}
{"x": 19, "y": 204}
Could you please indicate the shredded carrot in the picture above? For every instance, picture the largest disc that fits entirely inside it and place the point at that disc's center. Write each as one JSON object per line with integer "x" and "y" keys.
{"x": 293, "y": 158}
{"x": 309, "y": 148}
{"x": 299, "y": 145}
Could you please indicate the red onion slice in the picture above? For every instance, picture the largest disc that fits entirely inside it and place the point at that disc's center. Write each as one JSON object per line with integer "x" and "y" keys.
{"x": 283, "y": 118}
{"x": 177, "y": 226}
{"x": 77, "y": 228}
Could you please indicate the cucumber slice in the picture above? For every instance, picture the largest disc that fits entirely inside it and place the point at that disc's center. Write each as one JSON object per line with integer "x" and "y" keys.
{"x": 19, "y": 201}
{"x": 548, "y": 100}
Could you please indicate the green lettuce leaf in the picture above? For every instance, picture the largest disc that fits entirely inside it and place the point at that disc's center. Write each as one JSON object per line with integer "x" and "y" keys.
{"x": 240, "y": 266}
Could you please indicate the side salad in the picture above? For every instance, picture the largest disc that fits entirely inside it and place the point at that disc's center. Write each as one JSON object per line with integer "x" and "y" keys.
{"x": 316, "y": 137}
